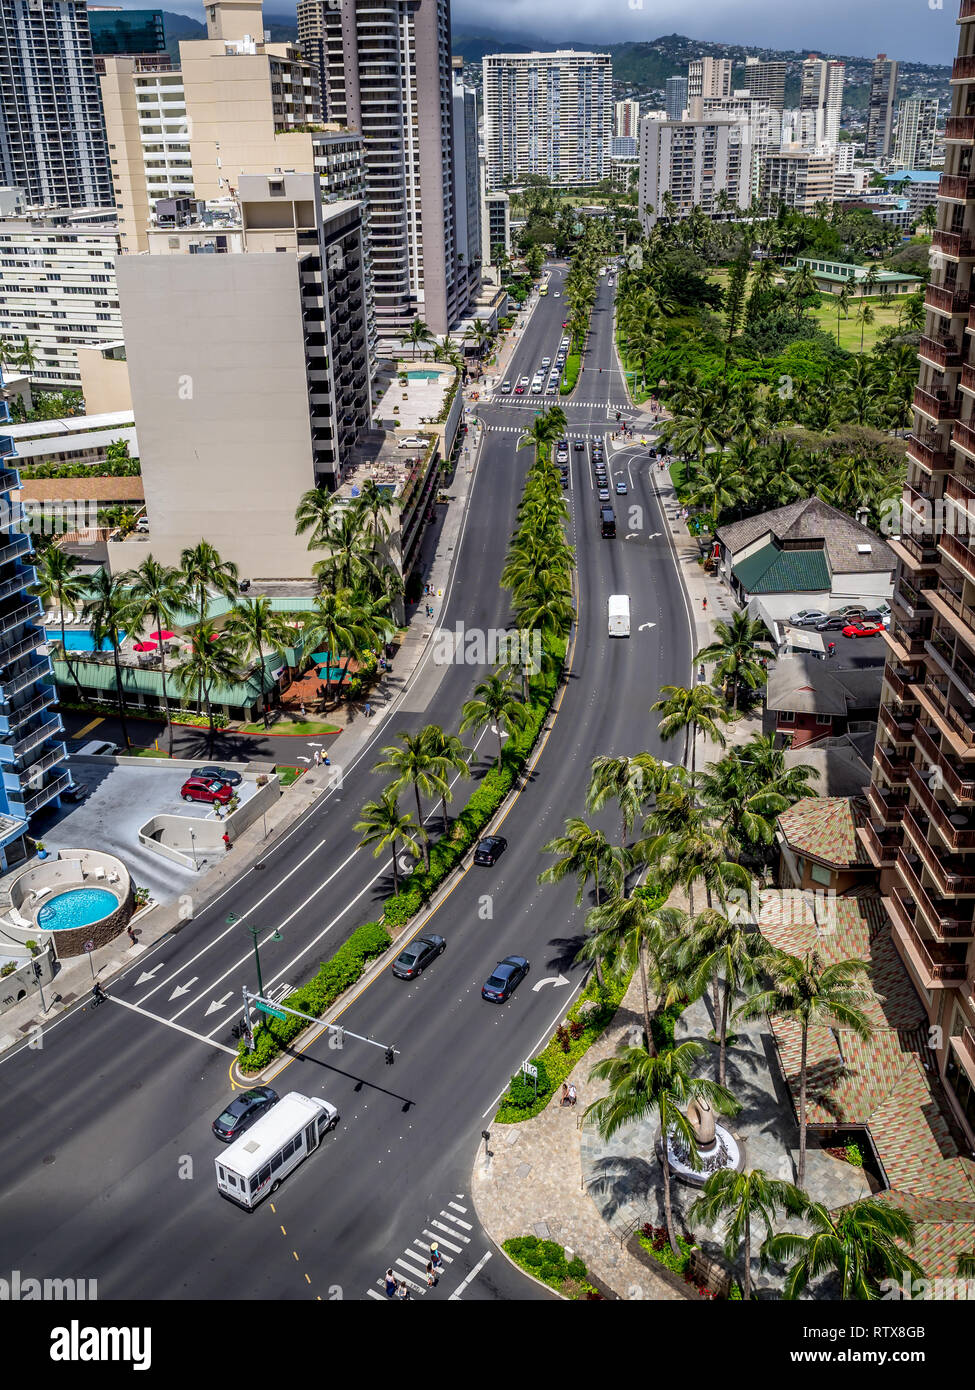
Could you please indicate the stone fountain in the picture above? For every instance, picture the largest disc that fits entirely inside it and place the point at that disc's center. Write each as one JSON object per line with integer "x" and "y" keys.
{"x": 716, "y": 1146}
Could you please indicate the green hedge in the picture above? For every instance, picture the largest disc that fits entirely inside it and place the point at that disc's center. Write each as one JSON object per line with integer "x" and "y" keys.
{"x": 571, "y": 375}
{"x": 334, "y": 976}
{"x": 546, "y": 1260}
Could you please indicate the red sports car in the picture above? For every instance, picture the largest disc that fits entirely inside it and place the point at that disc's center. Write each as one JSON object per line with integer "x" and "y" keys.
{"x": 863, "y": 629}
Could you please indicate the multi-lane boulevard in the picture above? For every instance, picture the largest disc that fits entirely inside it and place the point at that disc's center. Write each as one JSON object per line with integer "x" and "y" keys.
{"x": 106, "y": 1156}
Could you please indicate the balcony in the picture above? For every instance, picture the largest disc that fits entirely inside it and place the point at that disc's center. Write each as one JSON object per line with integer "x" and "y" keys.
{"x": 936, "y": 966}
{"x": 20, "y": 545}
{"x": 903, "y": 680}
{"x": 944, "y": 299}
{"x": 18, "y": 615}
{"x": 927, "y": 456}
{"x": 967, "y": 11}
{"x": 906, "y": 639}
{"x": 960, "y": 129}
{"x": 962, "y": 70}
{"x": 964, "y": 1046}
{"x": 893, "y": 766}
{"x": 950, "y": 877}
{"x": 881, "y": 844}
{"x": 888, "y": 806}
{"x": 958, "y": 246}
{"x": 48, "y": 729}
{"x": 948, "y": 604}
{"x": 939, "y": 354}
{"x": 30, "y": 643}
{"x": 936, "y": 406}
{"x": 15, "y": 718}
{"x": 8, "y": 478}
{"x": 43, "y": 795}
{"x": 956, "y": 829}
{"x": 963, "y": 436}
{"x": 960, "y": 552}
{"x": 959, "y": 783}
{"x": 900, "y": 730}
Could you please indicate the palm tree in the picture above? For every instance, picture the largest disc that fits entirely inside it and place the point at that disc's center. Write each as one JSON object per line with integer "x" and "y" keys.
{"x": 204, "y": 570}
{"x": 495, "y": 703}
{"x": 733, "y": 653}
{"x": 372, "y": 504}
{"x": 415, "y": 763}
{"x": 58, "y": 582}
{"x": 584, "y": 853}
{"x": 384, "y": 826}
{"x": 643, "y": 1085}
{"x": 158, "y": 592}
{"x": 454, "y": 757}
{"x": 418, "y": 333}
{"x": 630, "y": 782}
{"x": 717, "y": 485}
{"x": 810, "y": 993}
{"x": 479, "y": 334}
{"x": 253, "y": 624}
{"x": 865, "y": 317}
{"x": 315, "y": 513}
{"x": 332, "y": 626}
{"x": 27, "y": 357}
{"x": 690, "y": 711}
{"x": 634, "y": 934}
{"x": 108, "y": 612}
{"x": 210, "y": 661}
{"x": 843, "y": 298}
{"x": 862, "y": 1243}
{"x": 350, "y": 551}
{"x": 740, "y": 1198}
{"x": 719, "y": 947}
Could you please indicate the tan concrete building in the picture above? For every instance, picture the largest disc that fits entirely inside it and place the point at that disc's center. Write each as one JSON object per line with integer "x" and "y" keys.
{"x": 796, "y": 177}
{"x": 249, "y": 372}
{"x": 104, "y": 378}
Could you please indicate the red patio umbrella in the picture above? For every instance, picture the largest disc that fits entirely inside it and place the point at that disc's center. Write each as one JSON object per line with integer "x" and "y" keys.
{"x": 146, "y": 646}
{"x": 163, "y": 636}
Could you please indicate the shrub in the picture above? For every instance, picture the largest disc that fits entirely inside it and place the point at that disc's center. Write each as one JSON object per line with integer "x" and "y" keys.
{"x": 577, "y": 1268}
{"x": 655, "y": 1242}
{"x": 545, "y": 1260}
{"x": 853, "y": 1153}
{"x": 8, "y": 969}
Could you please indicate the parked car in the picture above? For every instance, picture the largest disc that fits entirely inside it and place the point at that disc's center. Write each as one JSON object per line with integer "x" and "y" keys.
{"x": 808, "y": 617}
{"x": 504, "y": 978}
{"x": 200, "y": 789}
{"x": 863, "y": 629}
{"x": 546, "y": 361}
{"x": 218, "y": 774}
{"x": 97, "y": 748}
{"x": 506, "y": 388}
{"x": 604, "y": 494}
{"x": 579, "y": 445}
{"x": 490, "y": 849}
{"x": 833, "y": 623}
{"x": 76, "y": 792}
{"x": 621, "y": 489}
{"x": 850, "y": 610}
{"x": 414, "y": 958}
{"x": 874, "y": 615}
{"x": 242, "y": 1111}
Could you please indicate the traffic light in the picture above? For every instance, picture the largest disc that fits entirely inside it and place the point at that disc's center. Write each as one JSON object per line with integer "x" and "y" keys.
{"x": 390, "y": 1056}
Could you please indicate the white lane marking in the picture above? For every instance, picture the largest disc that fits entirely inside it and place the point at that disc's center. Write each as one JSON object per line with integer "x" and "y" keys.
{"x": 450, "y": 1231}
{"x": 180, "y": 990}
{"x": 457, "y": 1249}
{"x": 473, "y": 1275}
{"x": 410, "y": 1268}
{"x": 543, "y": 1039}
{"x": 557, "y": 980}
{"x": 457, "y": 1207}
{"x": 425, "y": 1251}
{"x": 413, "y": 1264}
{"x": 373, "y": 1294}
{"x": 217, "y": 1004}
{"x": 168, "y": 1023}
{"x": 449, "y": 1216}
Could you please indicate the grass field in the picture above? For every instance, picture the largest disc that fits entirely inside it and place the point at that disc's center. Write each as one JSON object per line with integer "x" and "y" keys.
{"x": 885, "y": 315}
{"x": 303, "y": 727}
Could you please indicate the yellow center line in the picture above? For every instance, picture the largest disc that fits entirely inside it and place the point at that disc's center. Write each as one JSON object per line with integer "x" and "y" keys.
{"x": 88, "y": 727}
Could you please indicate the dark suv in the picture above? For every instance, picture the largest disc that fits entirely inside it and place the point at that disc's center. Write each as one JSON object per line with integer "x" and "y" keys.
{"x": 607, "y": 521}
{"x": 490, "y": 849}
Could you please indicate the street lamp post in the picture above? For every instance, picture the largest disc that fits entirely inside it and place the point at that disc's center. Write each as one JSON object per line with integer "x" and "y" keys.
{"x": 255, "y": 933}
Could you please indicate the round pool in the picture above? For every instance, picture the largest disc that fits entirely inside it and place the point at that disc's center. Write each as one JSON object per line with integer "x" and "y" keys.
{"x": 76, "y": 908}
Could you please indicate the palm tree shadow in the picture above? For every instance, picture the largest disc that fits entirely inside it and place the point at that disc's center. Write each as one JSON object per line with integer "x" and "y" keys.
{"x": 622, "y": 1180}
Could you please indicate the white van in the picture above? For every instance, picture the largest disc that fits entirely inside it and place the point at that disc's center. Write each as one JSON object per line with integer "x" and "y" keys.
{"x": 255, "y": 1165}
{"x": 619, "y": 615}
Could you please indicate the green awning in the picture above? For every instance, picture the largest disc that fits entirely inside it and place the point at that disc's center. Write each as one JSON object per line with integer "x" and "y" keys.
{"x": 775, "y": 571}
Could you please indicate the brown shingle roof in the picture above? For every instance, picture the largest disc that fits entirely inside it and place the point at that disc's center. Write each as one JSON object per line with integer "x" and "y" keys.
{"x": 87, "y": 489}
{"x": 809, "y": 520}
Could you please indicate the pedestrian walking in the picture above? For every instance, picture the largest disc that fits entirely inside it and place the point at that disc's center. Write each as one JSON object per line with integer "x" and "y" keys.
{"x": 132, "y": 936}
{"x": 390, "y": 1284}
{"x": 226, "y": 840}
{"x": 436, "y": 1259}
{"x": 368, "y": 709}
{"x": 403, "y": 1290}
{"x": 832, "y": 648}
{"x": 433, "y": 1277}
{"x": 318, "y": 757}
{"x": 704, "y": 604}
{"x": 302, "y": 709}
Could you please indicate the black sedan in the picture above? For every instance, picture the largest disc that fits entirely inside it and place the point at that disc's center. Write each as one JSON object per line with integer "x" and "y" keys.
{"x": 242, "y": 1111}
{"x": 490, "y": 849}
{"x": 218, "y": 774}
{"x": 415, "y": 957}
{"x": 504, "y": 978}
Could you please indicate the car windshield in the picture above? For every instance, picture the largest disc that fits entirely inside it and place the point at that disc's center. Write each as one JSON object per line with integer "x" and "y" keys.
{"x": 496, "y": 982}
{"x": 409, "y": 956}
{"x": 230, "y": 1116}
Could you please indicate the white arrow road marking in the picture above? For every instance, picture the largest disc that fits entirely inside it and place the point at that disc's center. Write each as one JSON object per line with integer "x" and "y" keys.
{"x": 168, "y": 1023}
{"x": 218, "y": 1004}
{"x": 653, "y": 535}
{"x": 184, "y": 989}
{"x": 303, "y": 760}
{"x": 630, "y": 534}
{"x": 555, "y": 980}
{"x": 148, "y": 974}
{"x": 644, "y": 627}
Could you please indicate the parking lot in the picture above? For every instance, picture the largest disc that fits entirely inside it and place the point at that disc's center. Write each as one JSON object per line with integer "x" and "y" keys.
{"x": 121, "y": 800}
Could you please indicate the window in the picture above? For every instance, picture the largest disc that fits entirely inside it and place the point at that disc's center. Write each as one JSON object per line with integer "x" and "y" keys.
{"x": 825, "y": 720}
{"x": 787, "y": 716}
{"x": 276, "y": 1162}
{"x": 263, "y": 1175}
{"x": 819, "y": 874}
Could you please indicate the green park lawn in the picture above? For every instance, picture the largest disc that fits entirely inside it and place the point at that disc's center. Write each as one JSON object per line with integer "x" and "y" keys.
{"x": 886, "y": 315}
{"x": 303, "y": 727}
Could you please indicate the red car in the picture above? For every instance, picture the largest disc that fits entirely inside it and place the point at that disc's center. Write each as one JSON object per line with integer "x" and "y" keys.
{"x": 863, "y": 629}
{"x": 202, "y": 789}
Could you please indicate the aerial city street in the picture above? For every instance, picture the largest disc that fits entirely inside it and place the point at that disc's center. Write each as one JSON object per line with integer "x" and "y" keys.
{"x": 487, "y": 664}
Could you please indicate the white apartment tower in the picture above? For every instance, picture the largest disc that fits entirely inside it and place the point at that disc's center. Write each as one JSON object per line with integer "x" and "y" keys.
{"x": 917, "y": 124}
{"x": 626, "y": 120}
{"x": 52, "y": 135}
{"x": 690, "y": 163}
{"x": 467, "y": 186}
{"x": 709, "y": 77}
{"x": 549, "y": 114}
{"x": 821, "y": 96}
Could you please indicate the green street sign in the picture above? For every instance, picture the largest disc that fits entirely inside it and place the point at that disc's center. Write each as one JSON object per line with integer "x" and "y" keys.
{"x": 274, "y": 1013}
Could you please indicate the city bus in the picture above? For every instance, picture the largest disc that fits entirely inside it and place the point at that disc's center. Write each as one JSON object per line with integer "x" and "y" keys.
{"x": 258, "y": 1162}
{"x": 619, "y": 615}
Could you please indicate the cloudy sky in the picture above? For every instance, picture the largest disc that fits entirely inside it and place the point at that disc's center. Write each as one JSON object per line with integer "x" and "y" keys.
{"x": 908, "y": 29}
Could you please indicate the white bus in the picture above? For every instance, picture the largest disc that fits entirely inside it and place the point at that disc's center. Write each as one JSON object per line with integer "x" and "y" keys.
{"x": 619, "y": 615}
{"x": 257, "y": 1162}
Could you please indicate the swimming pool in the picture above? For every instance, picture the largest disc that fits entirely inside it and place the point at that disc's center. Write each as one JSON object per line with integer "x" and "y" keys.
{"x": 81, "y": 640}
{"x": 422, "y": 376}
{"x": 76, "y": 909}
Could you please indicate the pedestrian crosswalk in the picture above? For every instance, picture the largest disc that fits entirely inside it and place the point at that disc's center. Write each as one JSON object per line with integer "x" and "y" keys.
{"x": 450, "y": 1230}
{"x": 572, "y": 433}
{"x": 543, "y": 402}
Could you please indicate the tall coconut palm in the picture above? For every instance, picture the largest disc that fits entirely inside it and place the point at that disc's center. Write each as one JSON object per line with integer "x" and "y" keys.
{"x": 734, "y": 650}
{"x": 414, "y": 764}
{"x": 211, "y": 661}
{"x": 27, "y": 358}
{"x": 108, "y": 611}
{"x": 739, "y": 1199}
{"x": 629, "y": 930}
{"x": 629, "y": 781}
{"x": 385, "y": 827}
{"x": 862, "y": 1243}
{"x": 643, "y": 1086}
{"x": 205, "y": 571}
{"x": 58, "y": 582}
{"x": 717, "y": 486}
{"x": 865, "y": 317}
{"x": 158, "y": 592}
{"x": 418, "y": 333}
{"x": 350, "y": 552}
{"x": 494, "y": 702}
{"x": 843, "y": 297}
{"x": 722, "y": 948}
{"x": 584, "y": 852}
{"x": 333, "y": 626}
{"x": 372, "y": 504}
{"x": 812, "y": 994}
{"x": 745, "y": 811}
{"x": 315, "y": 513}
{"x": 690, "y": 712}
{"x": 454, "y": 757}
{"x": 253, "y": 625}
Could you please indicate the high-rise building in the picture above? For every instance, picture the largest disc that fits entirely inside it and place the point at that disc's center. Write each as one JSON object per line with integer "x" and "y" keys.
{"x": 676, "y": 97}
{"x": 761, "y": 123}
{"x": 495, "y": 226}
{"x": 52, "y": 135}
{"x": 917, "y": 124}
{"x": 549, "y": 114}
{"x": 626, "y": 119}
{"x": 467, "y": 187}
{"x": 32, "y": 751}
{"x": 796, "y": 178}
{"x": 880, "y": 109}
{"x": 821, "y": 98}
{"x": 58, "y": 290}
{"x": 248, "y": 363}
{"x": 921, "y": 832}
{"x": 709, "y": 77}
{"x": 691, "y": 163}
{"x": 766, "y": 81}
{"x": 387, "y": 76}
{"x": 117, "y": 31}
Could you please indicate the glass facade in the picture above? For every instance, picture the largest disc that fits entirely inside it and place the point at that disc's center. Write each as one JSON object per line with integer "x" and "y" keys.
{"x": 126, "y": 31}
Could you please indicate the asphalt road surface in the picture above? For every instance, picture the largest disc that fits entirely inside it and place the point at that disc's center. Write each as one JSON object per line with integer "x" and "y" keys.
{"x": 106, "y": 1155}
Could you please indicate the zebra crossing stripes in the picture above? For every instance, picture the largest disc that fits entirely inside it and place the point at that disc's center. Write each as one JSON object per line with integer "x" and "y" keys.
{"x": 520, "y": 429}
{"x": 448, "y": 1229}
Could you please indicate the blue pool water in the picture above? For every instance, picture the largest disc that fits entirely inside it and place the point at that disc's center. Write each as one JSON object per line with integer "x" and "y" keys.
{"x": 422, "y": 376}
{"x": 80, "y": 640}
{"x": 76, "y": 908}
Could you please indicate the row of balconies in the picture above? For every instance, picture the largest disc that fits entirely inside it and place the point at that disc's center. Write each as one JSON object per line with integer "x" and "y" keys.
{"x": 952, "y": 876}
{"x": 959, "y": 781}
{"x": 938, "y": 966}
{"x": 957, "y": 829}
